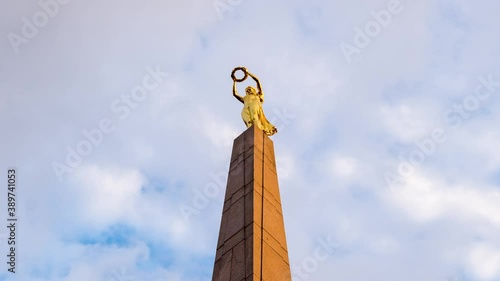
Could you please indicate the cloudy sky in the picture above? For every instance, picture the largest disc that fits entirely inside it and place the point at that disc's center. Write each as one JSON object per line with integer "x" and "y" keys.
{"x": 118, "y": 114}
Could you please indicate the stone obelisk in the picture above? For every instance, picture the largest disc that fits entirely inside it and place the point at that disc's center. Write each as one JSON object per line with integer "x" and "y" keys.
{"x": 252, "y": 243}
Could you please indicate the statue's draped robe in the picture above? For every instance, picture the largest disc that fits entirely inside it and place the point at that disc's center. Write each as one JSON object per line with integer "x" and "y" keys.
{"x": 253, "y": 114}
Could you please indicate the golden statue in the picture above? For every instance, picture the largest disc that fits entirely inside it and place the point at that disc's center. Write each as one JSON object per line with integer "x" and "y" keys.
{"x": 252, "y": 112}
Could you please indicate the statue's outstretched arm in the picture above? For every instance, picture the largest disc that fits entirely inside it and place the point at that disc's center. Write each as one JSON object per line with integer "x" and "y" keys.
{"x": 259, "y": 87}
{"x": 235, "y": 93}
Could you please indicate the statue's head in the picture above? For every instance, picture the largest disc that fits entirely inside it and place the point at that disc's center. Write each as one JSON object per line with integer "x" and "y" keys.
{"x": 250, "y": 91}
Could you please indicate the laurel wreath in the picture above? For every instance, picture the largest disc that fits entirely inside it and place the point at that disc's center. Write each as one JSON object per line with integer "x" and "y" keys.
{"x": 241, "y": 79}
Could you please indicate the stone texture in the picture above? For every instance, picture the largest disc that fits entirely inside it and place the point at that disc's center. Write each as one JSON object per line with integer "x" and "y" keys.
{"x": 252, "y": 242}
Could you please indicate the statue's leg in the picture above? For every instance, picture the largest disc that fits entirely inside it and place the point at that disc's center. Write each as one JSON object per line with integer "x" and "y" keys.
{"x": 245, "y": 115}
{"x": 254, "y": 117}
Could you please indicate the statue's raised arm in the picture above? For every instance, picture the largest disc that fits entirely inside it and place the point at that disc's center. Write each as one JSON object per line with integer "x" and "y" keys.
{"x": 235, "y": 93}
{"x": 259, "y": 87}
{"x": 252, "y": 112}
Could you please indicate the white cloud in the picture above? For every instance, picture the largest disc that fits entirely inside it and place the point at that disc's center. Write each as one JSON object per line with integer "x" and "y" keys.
{"x": 108, "y": 195}
{"x": 344, "y": 166}
{"x": 406, "y": 122}
{"x": 484, "y": 261}
{"x": 427, "y": 199}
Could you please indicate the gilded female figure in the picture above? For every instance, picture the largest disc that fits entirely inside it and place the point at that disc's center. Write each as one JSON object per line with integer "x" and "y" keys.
{"x": 252, "y": 112}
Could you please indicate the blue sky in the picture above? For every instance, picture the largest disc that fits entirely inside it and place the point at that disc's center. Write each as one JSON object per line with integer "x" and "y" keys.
{"x": 119, "y": 118}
